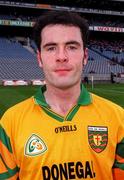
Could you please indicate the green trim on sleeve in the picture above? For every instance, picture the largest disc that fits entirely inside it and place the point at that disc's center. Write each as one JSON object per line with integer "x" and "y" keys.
{"x": 9, "y": 173}
{"x": 5, "y": 139}
{"x": 120, "y": 152}
{"x": 118, "y": 165}
{"x": 120, "y": 149}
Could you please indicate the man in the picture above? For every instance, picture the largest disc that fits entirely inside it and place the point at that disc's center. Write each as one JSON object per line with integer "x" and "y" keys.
{"x": 63, "y": 132}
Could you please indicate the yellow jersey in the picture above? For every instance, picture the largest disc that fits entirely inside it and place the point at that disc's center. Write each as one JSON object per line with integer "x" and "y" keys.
{"x": 39, "y": 144}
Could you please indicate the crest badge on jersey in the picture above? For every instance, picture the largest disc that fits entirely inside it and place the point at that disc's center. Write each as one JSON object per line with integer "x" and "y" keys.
{"x": 35, "y": 146}
{"x": 98, "y": 138}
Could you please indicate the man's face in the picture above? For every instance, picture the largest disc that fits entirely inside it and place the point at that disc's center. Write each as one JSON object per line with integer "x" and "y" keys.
{"x": 62, "y": 55}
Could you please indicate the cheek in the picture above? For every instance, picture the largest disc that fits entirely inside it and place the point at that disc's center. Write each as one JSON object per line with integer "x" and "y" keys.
{"x": 78, "y": 61}
{"x": 47, "y": 65}
{"x": 47, "y": 55}
{"x": 77, "y": 67}
{"x": 79, "y": 64}
{"x": 77, "y": 56}
{"x": 47, "y": 59}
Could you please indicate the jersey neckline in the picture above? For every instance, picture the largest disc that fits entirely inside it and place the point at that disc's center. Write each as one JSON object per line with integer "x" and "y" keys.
{"x": 83, "y": 100}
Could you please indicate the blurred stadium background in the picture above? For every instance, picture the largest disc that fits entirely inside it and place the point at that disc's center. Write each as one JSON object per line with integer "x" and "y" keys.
{"x": 104, "y": 73}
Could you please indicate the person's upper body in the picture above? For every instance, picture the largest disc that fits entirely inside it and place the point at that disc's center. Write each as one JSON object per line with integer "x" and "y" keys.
{"x": 63, "y": 132}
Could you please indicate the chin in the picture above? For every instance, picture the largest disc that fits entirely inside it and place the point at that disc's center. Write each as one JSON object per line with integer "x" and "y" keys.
{"x": 64, "y": 85}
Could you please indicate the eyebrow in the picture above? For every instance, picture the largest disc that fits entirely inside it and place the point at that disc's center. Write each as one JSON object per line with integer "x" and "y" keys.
{"x": 49, "y": 44}
{"x": 73, "y": 42}
{"x": 67, "y": 43}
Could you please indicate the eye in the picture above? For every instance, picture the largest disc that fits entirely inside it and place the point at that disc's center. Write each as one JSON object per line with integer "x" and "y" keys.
{"x": 51, "y": 48}
{"x": 72, "y": 47}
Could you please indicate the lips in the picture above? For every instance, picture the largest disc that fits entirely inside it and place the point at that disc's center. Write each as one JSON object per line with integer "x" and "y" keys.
{"x": 57, "y": 70}
{"x": 62, "y": 71}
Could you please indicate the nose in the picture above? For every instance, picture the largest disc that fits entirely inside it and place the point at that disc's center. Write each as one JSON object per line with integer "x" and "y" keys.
{"x": 61, "y": 56}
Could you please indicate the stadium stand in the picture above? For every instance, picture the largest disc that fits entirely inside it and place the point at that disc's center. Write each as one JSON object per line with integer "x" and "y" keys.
{"x": 105, "y": 18}
{"x": 113, "y": 50}
{"x": 16, "y": 62}
{"x": 98, "y": 64}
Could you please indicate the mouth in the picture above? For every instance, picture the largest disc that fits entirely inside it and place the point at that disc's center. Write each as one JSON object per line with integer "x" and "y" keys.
{"x": 62, "y": 71}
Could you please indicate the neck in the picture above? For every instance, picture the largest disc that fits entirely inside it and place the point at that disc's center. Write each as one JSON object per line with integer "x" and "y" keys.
{"x": 62, "y": 100}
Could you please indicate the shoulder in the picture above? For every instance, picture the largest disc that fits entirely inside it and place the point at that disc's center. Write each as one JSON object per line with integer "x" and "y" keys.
{"x": 106, "y": 105}
{"x": 19, "y": 109}
{"x": 23, "y": 105}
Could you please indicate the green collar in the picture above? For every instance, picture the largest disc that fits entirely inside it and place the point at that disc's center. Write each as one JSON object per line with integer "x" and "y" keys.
{"x": 84, "y": 98}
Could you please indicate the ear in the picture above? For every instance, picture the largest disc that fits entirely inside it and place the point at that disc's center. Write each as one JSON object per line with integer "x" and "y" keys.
{"x": 85, "y": 59}
{"x": 39, "y": 58}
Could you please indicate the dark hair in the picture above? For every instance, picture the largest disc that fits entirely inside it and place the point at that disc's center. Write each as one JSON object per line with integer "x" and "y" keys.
{"x": 60, "y": 17}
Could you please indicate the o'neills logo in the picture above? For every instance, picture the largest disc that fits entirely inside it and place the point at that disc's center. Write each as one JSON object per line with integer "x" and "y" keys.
{"x": 98, "y": 138}
{"x": 70, "y": 170}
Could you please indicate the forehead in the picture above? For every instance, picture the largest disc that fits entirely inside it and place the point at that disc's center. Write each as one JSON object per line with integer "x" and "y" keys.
{"x": 60, "y": 33}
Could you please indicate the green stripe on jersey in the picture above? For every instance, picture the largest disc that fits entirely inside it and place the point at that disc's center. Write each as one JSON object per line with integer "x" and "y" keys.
{"x": 10, "y": 173}
{"x": 120, "y": 148}
{"x": 5, "y": 139}
{"x": 56, "y": 116}
{"x": 53, "y": 115}
{"x": 72, "y": 113}
{"x": 118, "y": 165}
